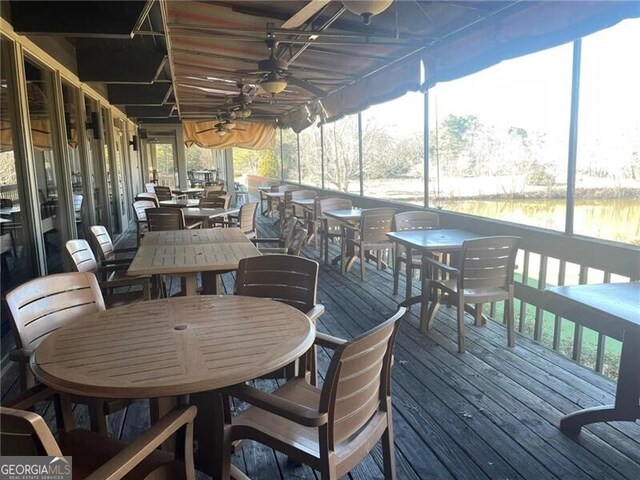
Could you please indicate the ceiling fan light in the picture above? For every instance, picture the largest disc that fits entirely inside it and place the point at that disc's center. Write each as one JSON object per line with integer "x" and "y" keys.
{"x": 273, "y": 85}
{"x": 367, "y": 8}
{"x": 244, "y": 113}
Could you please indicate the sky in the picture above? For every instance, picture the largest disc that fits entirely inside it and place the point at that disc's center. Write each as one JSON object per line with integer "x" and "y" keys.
{"x": 534, "y": 91}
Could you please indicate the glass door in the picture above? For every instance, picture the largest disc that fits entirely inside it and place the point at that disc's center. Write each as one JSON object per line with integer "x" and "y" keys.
{"x": 120, "y": 174}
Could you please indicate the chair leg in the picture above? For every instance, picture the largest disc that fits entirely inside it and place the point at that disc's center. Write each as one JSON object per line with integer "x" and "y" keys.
{"x": 363, "y": 254}
{"x": 477, "y": 317}
{"x": 460, "y": 315}
{"x": 396, "y": 274}
{"x": 379, "y": 254}
{"x": 388, "y": 448}
{"x": 508, "y": 312}
{"x": 343, "y": 256}
{"x": 325, "y": 241}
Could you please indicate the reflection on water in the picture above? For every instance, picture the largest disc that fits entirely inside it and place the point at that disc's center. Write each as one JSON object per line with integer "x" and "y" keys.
{"x": 617, "y": 220}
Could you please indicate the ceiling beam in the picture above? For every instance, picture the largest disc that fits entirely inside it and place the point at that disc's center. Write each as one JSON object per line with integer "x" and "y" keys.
{"x": 136, "y": 94}
{"x": 163, "y": 111}
{"x": 119, "y": 66}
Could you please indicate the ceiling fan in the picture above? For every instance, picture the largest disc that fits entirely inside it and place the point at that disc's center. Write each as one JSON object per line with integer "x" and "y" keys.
{"x": 275, "y": 76}
{"x": 222, "y": 128}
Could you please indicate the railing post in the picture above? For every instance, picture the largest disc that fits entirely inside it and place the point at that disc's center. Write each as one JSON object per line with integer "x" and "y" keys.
{"x": 573, "y": 137}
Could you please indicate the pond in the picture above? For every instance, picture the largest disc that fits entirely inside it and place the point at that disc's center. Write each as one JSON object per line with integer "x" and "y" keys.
{"x": 616, "y": 219}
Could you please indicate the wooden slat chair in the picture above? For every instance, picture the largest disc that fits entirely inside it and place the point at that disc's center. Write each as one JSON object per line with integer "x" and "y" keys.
{"x": 107, "y": 252}
{"x": 215, "y": 193}
{"x": 42, "y": 306}
{"x": 97, "y": 456}
{"x": 219, "y": 201}
{"x": 414, "y": 220}
{"x": 163, "y": 193}
{"x": 150, "y": 187}
{"x": 284, "y": 204}
{"x": 167, "y": 218}
{"x": 300, "y": 212}
{"x": 328, "y": 228}
{"x": 484, "y": 274}
{"x": 282, "y": 243}
{"x": 332, "y": 428}
{"x": 371, "y": 235}
{"x": 208, "y": 189}
{"x": 139, "y": 208}
{"x": 298, "y": 239}
{"x": 245, "y": 220}
{"x": 82, "y": 259}
{"x": 149, "y": 197}
{"x": 288, "y": 279}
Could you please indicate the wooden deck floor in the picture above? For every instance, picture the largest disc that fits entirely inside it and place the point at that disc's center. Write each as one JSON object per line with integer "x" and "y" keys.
{"x": 491, "y": 413}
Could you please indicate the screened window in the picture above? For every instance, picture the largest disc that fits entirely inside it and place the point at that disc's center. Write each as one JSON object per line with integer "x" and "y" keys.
{"x": 310, "y": 156}
{"x": 341, "y": 147}
{"x": 290, "y": 156}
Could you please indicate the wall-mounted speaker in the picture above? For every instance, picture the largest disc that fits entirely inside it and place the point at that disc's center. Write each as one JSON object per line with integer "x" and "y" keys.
{"x": 135, "y": 143}
{"x": 96, "y": 125}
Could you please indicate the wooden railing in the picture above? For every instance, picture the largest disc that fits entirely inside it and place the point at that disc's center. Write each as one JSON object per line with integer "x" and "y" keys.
{"x": 545, "y": 258}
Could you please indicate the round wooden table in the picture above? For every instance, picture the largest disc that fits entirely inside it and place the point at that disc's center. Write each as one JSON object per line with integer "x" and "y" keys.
{"x": 175, "y": 347}
{"x": 172, "y": 347}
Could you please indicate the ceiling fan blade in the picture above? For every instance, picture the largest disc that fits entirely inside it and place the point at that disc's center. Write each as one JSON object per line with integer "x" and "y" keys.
{"x": 309, "y": 87}
{"x": 305, "y": 13}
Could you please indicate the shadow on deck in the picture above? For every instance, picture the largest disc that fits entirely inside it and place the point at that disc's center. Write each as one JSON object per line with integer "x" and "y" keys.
{"x": 491, "y": 413}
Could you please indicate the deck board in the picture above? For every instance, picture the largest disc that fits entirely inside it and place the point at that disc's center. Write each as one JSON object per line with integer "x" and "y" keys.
{"x": 491, "y": 413}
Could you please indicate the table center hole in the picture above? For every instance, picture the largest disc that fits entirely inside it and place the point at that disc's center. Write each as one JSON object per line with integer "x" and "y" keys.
{"x": 180, "y": 327}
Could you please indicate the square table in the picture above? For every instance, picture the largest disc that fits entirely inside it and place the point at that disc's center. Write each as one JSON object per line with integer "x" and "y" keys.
{"x": 347, "y": 217}
{"x": 614, "y": 310}
{"x": 180, "y": 203}
{"x": 427, "y": 242}
{"x": 187, "y": 252}
{"x": 206, "y": 214}
{"x": 189, "y": 192}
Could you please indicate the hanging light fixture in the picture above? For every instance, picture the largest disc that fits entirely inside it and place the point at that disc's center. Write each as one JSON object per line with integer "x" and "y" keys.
{"x": 273, "y": 85}
{"x": 244, "y": 112}
{"x": 367, "y": 8}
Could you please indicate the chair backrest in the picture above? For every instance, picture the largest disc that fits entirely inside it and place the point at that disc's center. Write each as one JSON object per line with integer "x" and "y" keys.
{"x": 303, "y": 194}
{"x": 285, "y": 232}
{"x": 285, "y": 278}
{"x": 488, "y": 262}
{"x": 332, "y": 203}
{"x": 77, "y": 202}
{"x": 150, "y": 187}
{"x": 220, "y": 201}
{"x": 163, "y": 193}
{"x": 26, "y": 434}
{"x": 287, "y": 188}
{"x": 149, "y": 197}
{"x": 6, "y": 203}
{"x": 81, "y": 256}
{"x": 375, "y": 223}
{"x": 102, "y": 242}
{"x": 139, "y": 207}
{"x": 358, "y": 380}
{"x": 44, "y": 304}
{"x": 415, "y": 220}
{"x": 164, "y": 218}
{"x": 247, "y": 218}
{"x": 213, "y": 188}
{"x": 297, "y": 239}
{"x": 215, "y": 193}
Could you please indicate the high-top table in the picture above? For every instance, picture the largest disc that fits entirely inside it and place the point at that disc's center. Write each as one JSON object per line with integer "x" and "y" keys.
{"x": 173, "y": 348}
{"x": 427, "y": 242}
{"x": 187, "y": 252}
{"x": 614, "y": 310}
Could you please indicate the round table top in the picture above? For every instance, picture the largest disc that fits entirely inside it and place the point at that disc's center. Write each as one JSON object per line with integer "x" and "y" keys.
{"x": 172, "y": 346}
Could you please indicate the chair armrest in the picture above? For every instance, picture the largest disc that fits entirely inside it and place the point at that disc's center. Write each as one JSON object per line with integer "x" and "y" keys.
{"x": 324, "y": 340}
{"x": 300, "y": 414}
{"x": 272, "y": 250}
{"x": 193, "y": 225}
{"x": 20, "y": 355}
{"x": 265, "y": 240}
{"x": 30, "y": 397}
{"x": 442, "y": 266}
{"x": 125, "y": 282}
{"x": 145, "y": 444}
{"x": 114, "y": 262}
{"x": 315, "y": 313}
